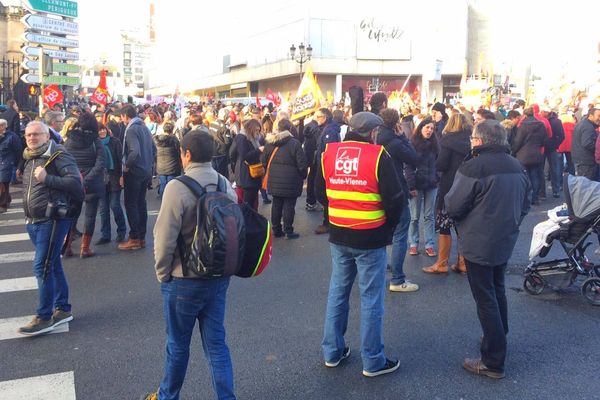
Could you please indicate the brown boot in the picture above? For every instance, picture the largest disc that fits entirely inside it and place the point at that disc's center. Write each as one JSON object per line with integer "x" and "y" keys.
{"x": 441, "y": 265}
{"x": 85, "y": 250}
{"x": 66, "y": 250}
{"x": 460, "y": 266}
{"x": 131, "y": 244}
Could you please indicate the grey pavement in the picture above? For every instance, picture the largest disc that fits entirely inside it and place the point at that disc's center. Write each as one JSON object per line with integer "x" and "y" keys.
{"x": 115, "y": 345}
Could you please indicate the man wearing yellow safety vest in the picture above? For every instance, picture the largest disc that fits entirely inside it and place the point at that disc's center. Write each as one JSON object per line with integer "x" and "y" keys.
{"x": 358, "y": 181}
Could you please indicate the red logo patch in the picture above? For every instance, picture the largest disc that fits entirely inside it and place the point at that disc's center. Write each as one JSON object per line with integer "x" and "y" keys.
{"x": 346, "y": 161}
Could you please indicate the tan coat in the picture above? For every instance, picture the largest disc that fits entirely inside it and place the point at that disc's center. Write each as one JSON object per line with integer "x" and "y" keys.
{"x": 178, "y": 214}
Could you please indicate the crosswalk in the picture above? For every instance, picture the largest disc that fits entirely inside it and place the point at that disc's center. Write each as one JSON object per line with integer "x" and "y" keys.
{"x": 16, "y": 279}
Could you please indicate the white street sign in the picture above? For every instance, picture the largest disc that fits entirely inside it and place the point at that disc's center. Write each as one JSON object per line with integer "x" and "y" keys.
{"x": 60, "y": 54}
{"x": 44, "y": 24}
{"x": 50, "y": 40}
{"x": 29, "y": 78}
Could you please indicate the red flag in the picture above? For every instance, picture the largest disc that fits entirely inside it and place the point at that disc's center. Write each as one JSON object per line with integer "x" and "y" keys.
{"x": 258, "y": 102}
{"x": 272, "y": 97}
{"x": 52, "y": 95}
{"x": 100, "y": 95}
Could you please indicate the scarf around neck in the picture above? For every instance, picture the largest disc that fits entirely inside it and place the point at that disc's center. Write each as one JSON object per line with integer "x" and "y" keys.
{"x": 28, "y": 153}
{"x": 110, "y": 163}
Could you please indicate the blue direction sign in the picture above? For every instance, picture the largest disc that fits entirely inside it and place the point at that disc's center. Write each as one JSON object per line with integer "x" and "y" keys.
{"x": 52, "y": 25}
{"x": 60, "y": 54}
{"x": 50, "y": 40}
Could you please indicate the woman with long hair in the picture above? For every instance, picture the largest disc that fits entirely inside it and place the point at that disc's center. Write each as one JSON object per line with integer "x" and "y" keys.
{"x": 455, "y": 145}
{"x": 422, "y": 184}
{"x": 246, "y": 152}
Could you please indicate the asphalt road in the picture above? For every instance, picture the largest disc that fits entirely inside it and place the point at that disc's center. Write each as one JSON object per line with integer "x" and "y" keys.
{"x": 115, "y": 345}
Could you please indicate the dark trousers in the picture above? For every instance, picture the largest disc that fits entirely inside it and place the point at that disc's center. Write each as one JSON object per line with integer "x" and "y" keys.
{"x": 310, "y": 185}
{"x": 541, "y": 180}
{"x": 251, "y": 197}
{"x": 134, "y": 190}
{"x": 533, "y": 172}
{"x": 283, "y": 206}
{"x": 4, "y": 194}
{"x": 487, "y": 287}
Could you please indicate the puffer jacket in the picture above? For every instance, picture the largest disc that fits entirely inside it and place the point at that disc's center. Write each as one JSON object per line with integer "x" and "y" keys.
{"x": 10, "y": 154}
{"x": 168, "y": 161}
{"x": 288, "y": 168}
{"x": 583, "y": 144}
{"x": 62, "y": 183}
{"x": 88, "y": 151}
{"x": 528, "y": 143}
{"x": 454, "y": 148}
{"x": 422, "y": 175}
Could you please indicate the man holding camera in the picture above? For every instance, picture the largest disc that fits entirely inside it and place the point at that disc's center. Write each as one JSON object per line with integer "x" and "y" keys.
{"x": 52, "y": 183}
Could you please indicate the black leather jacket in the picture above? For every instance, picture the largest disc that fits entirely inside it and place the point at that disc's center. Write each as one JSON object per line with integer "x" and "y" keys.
{"x": 62, "y": 183}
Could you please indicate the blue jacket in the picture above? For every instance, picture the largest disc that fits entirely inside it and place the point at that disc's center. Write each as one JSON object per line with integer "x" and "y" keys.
{"x": 10, "y": 154}
{"x": 139, "y": 149}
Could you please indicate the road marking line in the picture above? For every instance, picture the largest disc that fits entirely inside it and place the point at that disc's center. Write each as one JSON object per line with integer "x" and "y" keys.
{"x": 16, "y": 201}
{"x": 17, "y": 257}
{"x": 12, "y": 222}
{"x": 18, "y": 210}
{"x": 59, "y": 386}
{"x": 10, "y": 326}
{"x": 18, "y": 284}
{"x": 16, "y": 237}
{"x": 153, "y": 212}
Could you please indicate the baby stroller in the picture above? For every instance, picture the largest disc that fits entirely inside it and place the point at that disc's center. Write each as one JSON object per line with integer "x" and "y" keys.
{"x": 570, "y": 224}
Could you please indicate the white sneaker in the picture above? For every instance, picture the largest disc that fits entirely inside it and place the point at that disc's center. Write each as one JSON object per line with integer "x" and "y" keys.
{"x": 407, "y": 286}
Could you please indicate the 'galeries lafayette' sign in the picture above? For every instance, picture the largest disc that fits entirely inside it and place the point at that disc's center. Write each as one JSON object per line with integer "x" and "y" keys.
{"x": 376, "y": 40}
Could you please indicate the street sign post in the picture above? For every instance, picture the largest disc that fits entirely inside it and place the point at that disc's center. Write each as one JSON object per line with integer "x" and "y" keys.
{"x": 65, "y": 8}
{"x": 52, "y": 79}
{"x": 60, "y": 54}
{"x": 44, "y": 24}
{"x": 50, "y": 40}
{"x": 56, "y": 67}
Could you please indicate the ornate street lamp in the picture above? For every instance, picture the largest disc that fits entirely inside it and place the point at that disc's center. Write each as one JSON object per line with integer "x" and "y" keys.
{"x": 304, "y": 55}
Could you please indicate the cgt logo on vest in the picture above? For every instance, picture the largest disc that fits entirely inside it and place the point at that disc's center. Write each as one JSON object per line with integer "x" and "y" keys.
{"x": 346, "y": 161}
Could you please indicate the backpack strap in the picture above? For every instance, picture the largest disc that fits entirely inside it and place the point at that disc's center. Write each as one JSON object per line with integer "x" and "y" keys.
{"x": 52, "y": 158}
{"x": 192, "y": 184}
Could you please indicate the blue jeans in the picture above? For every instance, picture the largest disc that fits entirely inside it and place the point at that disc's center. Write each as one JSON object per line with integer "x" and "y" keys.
{"x": 186, "y": 301}
{"x": 533, "y": 172}
{"x": 399, "y": 247}
{"x": 111, "y": 201}
{"x": 53, "y": 291}
{"x": 370, "y": 266}
{"x": 556, "y": 168}
{"x": 426, "y": 200}
{"x": 134, "y": 194}
{"x": 162, "y": 183}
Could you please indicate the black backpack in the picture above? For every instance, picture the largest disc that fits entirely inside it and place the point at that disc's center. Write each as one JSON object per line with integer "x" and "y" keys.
{"x": 218, "y": 247}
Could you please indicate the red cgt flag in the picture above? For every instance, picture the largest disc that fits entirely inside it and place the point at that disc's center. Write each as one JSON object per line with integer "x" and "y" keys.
{"x": 272, "y": 97}
{"x": 53, "y": 95}
{"x": 100, "y": 95}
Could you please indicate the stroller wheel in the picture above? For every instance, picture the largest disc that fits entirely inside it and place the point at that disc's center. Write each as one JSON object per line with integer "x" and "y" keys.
{"x": 591, "y": 290}
{"x": 597, "y": 271}
{"x": 533, "y": 284}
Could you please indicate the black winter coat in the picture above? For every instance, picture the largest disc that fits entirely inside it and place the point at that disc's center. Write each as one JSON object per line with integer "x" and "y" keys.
{"x": 62, "y": 183}
{"x": 401, "y": 152}
{"x": 88, "y": 151}
{"x": 583, "y": 146}
{"x": 242, "y": 154}
{"x": 10, "y": 154}
{"x": 312, "y": 135}
{"x": 168, "y": 160}
{"x": 530, "y": 139}
{"x": 288, "y": 168}
{"x": 558, "y": 133}
{"x": 13, "y": 120}
{"x": 422, "y": 175}
{"x": 454, "y": 148}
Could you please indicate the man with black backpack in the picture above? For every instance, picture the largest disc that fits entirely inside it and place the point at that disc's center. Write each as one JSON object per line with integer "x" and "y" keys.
{"x": 186, "y": 296}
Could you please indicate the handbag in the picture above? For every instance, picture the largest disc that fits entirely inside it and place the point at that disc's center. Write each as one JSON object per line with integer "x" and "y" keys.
{"x": 266, "y": 178}
{"x": 256, "y": 170}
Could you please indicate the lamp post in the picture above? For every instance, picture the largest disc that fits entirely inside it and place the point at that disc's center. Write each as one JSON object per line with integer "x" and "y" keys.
{"x": 304, "y": 55}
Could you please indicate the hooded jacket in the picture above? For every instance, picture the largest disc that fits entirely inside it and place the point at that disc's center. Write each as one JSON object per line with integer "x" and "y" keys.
{"x": 62, "y": 183}
{"x": 288, "y": 167}
{"x": 454, "y": 148}
{"x": 88, "y": 151}
{"x": 528, "y": 144}
{"x": 168, "y": 160}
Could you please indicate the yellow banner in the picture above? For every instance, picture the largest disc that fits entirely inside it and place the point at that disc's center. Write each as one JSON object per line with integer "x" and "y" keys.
{"x": 307, "y": 98}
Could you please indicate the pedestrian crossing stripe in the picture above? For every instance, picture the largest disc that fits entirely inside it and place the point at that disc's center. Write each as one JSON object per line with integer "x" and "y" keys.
{"x": 16, "y": 201}
{"x": 18, "y": 284}
{"x": 59, "y": 386}
{"x": 15, "y": 211}
{"x": 17, "y": 257}
{"x": 16, "y": 237}
{"x": 9, "y": 330}
{"x": 12, "y": 222}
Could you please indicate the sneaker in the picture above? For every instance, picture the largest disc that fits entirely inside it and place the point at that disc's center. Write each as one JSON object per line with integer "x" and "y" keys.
{"x": 150, "y": 396}
{"x": 102, "y": 241}
{"x": 278, "y": 233}
{"x": 475, "y": 366}
{"x": 37, "y": 326}
{"x": 413, "y": 251}
{"x": 390, "y": 366}
{"x": 407, "y": 286}
{"x": 311, "y": 207}
{"x": 61, "y": 317}
{"x": 292, "y": 235}
{"x": 322, "y": 229}
{"x": 345, "y": 355}
{"x": 430, "y": 252}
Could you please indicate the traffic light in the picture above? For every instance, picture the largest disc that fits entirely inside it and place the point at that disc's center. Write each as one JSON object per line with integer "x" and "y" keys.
{"x": 33, "y": 90}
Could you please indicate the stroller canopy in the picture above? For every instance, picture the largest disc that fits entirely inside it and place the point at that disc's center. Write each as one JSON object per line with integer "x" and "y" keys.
{"x": 583, "y": 197}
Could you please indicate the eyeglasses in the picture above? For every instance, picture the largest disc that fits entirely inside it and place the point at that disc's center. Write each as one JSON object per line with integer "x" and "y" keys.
{"x": 34, "y": 134}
